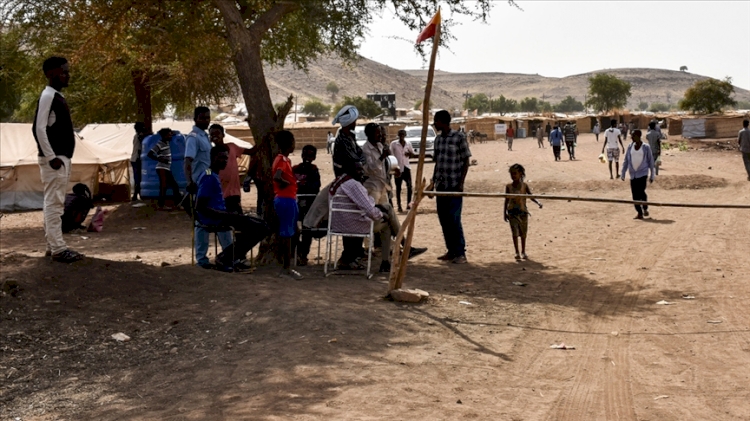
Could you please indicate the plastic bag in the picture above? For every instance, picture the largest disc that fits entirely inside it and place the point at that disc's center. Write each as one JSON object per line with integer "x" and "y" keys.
{"x": 97, "y": 221}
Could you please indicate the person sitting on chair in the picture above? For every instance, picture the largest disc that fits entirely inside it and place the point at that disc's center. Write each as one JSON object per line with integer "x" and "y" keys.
{"x": 77, "y": 207}
{"x": 349, "y": 185}
{"x": 211, "y": 212}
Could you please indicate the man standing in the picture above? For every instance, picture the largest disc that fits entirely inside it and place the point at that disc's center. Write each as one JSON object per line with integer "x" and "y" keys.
{"x": 743, "y": 138}
{"x": 596, "y": 130}
{"x": 197, "y": 161}
{"x": 540, "y": 136}
{"x": 570, "y": 139}
{"x": 548, "y": 129}
{"x": 640, "y": 162}
{"x": 403, "y": 150}
{"x": 230, "y": 176}
{"x": 611, "y": 137}
{"x": 509, "y": 135}
{"x": 654, "y": 140}
{"x": 451, "y": 166}
{"x": 345, "y": 148}
{"x": 556, "y": 139}
{"x": 135, "y": 157}
{"x": 55, "y": 140}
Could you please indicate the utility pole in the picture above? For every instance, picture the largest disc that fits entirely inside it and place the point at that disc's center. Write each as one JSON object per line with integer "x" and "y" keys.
{"x": 467, "y": 95}
{"x": 295, "y": 109}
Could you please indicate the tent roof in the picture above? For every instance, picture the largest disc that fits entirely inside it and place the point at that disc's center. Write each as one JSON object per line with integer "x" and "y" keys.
{"x": 119, "y": 136}
{"x": 18, "y": 147}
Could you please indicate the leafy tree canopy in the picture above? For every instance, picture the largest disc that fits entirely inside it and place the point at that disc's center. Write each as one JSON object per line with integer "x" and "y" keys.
{"x": 479, "y": 102}
{"x": 657, "y": 107}
{"x": 529, "y": 105}
{"x": 607, "y": 92}
{"x": 708, "y": 96}
{"x": 504, "y": 105}
{"x": 316, "y": 108}
{"x": 643, "y": 105}
{"x": 568, "y": 105}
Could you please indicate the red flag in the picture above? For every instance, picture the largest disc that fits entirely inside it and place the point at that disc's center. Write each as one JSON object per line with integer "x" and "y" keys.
{"x": 429, "y": 30}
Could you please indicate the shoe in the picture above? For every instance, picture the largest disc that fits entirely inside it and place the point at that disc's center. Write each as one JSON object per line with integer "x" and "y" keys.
{"x": 291, "y": 274}
{"x": 241, "y": 266}
{"x": 67, "y": 256}
{"x": 206, "y": 266}
{"x": 459, "y": 260}
{"x": 518, "y": 257}
{"x": 409, "y": 206}
{"x": 222, "y": 267}
{"x": 416, "y": 251}
{"x": 349, "y": 266}
{"x": 47, "y": 253}
{"x": 446, "y": 257}
{"x": 645, "y": 213}
{"x": 639, "y": 216}
{"x": 524, "y": 256}
{"x": 400, "y": 209}
{"x": 385, "y": 267}
{"x": 302, "y": 261}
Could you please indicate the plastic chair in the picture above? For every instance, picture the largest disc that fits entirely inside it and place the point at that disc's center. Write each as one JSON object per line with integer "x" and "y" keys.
{"x": 336, "y": 206}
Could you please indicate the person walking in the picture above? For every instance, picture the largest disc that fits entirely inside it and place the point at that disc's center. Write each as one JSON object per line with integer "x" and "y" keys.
{"x": 548, "y": 129}
{"x": 540, "y": 136}
{"x": 451, "y": 166}
{"x": 135, "y": 157}
{"x": 654, "y": 138}
{"x": 743, "y": 139}
{"x": 596, "y": 131}
{"x": 55, "y": 141}
{"x": 570, "y": 139}
{"x": 611, "y": 137}
{"x": 555, "y": 140}
{"x": 639, "y": 161}
{"x": 403, "y": 150}
{"x": 509, "y": 135}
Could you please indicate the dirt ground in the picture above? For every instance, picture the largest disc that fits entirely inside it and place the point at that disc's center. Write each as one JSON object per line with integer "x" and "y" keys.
{"x": 213, "y": 346}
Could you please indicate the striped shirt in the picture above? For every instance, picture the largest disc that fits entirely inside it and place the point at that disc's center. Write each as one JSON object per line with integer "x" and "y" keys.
{"x": 352, "y": 195}
{"x": 162, "y": 151}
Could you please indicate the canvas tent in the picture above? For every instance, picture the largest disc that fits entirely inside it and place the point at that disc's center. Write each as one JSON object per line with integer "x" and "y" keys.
{"x": 20, "y": 182}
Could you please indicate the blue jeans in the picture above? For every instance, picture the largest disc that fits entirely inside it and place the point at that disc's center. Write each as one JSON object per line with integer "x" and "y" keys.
{"x": 201, "y": 244}
{"x": 449, "y": 214}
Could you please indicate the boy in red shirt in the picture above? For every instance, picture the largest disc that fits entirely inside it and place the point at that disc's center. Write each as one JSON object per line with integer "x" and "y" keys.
{"x": 285, "y": 201}
{"x": 509, "y": 135}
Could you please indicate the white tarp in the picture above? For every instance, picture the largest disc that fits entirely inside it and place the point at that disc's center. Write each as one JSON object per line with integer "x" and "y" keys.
{"x": 693, "y": 127}
{"x": 20, "y": 182}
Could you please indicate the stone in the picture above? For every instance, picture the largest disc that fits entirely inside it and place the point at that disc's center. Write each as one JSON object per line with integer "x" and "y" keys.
{"x": 120, "y": 337}
{"x": 164, "y": 264}
{"x": 409, "y": 295}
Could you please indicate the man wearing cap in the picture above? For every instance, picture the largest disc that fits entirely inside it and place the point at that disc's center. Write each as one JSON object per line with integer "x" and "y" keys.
{"x": 345, "y": 149}
{"x": 403, "y": 150}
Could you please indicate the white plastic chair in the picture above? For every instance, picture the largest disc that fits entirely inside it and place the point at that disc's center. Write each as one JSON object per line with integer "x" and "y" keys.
{"x": 336, "y": 206}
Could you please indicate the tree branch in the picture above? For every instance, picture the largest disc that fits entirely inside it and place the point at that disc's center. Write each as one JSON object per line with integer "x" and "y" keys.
{"x": 270, "y": 17}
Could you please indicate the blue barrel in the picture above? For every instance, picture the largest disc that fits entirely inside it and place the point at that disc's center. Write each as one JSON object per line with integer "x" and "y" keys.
{"x": 149, "y": 178}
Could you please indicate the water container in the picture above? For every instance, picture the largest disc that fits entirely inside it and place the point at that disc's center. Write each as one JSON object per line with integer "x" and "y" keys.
{"x": 149, "y": 177}
{"x": 521, "y": 132}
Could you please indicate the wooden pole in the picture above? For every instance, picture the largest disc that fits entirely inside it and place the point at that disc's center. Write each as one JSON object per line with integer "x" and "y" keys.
{"x": 398, "y": 269}
{"x": 587, "y": 199}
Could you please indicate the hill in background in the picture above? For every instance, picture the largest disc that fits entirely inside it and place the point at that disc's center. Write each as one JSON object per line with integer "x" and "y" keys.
{"x": 650, "y": 85}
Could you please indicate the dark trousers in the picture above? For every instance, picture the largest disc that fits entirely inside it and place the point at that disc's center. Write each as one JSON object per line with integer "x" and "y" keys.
{"x": 571, "y": 149}
{"x": 167, "y": 181}
{"x": 136, "y": 177}
{"x": 352, "y": 249}
{"x": 249, "y": 232}
{"x": 449, "y": 214}
{"x": 638, "y": 188}
{"x": 556, "y": 151}
{"x": 259, "y": 201}
{"x": 405, "y": 177}
{"x": 232, "y": 204}
{"x": 746, "y": 160}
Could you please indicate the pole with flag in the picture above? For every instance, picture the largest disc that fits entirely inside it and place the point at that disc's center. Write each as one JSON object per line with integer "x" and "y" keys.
{"x": 398, "y": 269}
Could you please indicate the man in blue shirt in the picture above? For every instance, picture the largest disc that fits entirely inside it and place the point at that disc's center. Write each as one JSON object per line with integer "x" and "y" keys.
{"x": 555, "y": 139}
{"x": 211, "y": 210}
{"x": 197, "y": 161}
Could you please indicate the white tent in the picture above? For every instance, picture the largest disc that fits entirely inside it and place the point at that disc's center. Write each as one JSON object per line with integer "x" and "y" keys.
{"x": 20, "y": 182}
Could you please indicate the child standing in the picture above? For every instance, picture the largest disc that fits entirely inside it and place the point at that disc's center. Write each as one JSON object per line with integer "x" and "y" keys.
{"x": 162, "y": 152}
{"x": 516, "y": 212}
{"x": 308, "y": 186}
{"x": 285, "y": 201}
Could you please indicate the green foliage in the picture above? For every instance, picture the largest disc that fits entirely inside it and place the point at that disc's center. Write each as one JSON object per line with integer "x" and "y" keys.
{"x": 316, "y": 108}
{"x": 643, "y": 105}
{"x": 333, "y": 89}
{"x": 418, "y": 104}
{"x": 607, "y": 92}
{"x": 743, "y": 105}
{"x": 503, "y": 105}
{"x": 708, "y": 96}
{"x": 683, "y": 68}
{"x": 14, "y": 65}
{"x": 657, "y": 107}
{"x": 366, "y": 107}
{"x": 479, "y": 102}
{"x": 568, "y": 105}
{"x": 529, "y": 105}
{"x": 682, "y": 146}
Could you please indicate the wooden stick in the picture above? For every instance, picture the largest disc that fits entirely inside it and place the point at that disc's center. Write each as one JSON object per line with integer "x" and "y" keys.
{"x": 399, "y": 269}
{"x": 587, "y": 199}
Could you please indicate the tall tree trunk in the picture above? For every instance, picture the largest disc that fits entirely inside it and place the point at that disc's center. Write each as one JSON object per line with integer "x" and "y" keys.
{"x": 143, "y": 97}
{"x": 262, "y": 118}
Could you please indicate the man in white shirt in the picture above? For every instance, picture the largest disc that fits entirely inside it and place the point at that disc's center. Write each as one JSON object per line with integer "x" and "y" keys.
{"x": 611, "y": 137}
{"x": 403, "y": 150}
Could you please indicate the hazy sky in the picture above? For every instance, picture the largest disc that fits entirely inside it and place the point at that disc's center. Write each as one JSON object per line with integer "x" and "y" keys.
{"x": 563, "y": 38}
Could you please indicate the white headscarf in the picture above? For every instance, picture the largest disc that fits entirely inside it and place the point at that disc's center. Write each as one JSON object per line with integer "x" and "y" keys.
{"x": 346, "y": 116}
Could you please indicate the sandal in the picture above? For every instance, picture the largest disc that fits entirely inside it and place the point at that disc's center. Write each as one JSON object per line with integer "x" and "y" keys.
{"x": 67, "y": 256}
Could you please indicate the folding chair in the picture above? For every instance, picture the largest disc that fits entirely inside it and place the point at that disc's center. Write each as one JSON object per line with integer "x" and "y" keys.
{"x": 340, "y": 204}
{"x": 316, "y": 233}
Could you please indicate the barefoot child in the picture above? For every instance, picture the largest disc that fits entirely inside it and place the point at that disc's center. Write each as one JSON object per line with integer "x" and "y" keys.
{"x": 285, "y": 201}
{"x": 516, "y": 212}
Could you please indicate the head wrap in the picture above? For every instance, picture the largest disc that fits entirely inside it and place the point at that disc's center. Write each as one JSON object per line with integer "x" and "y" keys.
{"x": 346, "y": 116}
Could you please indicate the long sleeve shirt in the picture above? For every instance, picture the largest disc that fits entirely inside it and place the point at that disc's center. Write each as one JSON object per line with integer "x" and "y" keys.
{"x": 345, "y": 152}
{"x": 53, "y": 125}
{"x": 646, "y": 167}
{"x": 352, "y": 195}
